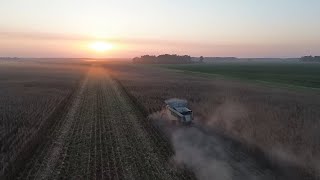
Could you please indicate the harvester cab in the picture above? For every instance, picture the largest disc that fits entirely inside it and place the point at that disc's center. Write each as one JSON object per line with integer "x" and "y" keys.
{"x": 178, "y": 111}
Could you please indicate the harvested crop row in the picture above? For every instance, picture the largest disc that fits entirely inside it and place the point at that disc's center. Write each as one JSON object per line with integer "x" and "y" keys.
{"x": 33, "y": 99}
{"x": 107, "y": 138}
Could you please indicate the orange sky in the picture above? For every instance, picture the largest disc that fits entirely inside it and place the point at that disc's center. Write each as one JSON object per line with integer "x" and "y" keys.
{"x": 270, "y": 28}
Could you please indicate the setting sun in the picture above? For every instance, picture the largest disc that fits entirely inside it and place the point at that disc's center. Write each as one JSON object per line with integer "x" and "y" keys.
{"x": 100, "y": 46}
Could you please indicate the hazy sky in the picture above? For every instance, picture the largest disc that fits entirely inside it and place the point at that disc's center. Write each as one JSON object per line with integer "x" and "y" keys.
{"x": 244, "y": 28}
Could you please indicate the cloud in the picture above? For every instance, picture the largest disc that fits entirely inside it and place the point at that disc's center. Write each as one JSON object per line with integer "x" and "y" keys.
{"x": 75, "y": 37}
{"x": 42, "y": 36}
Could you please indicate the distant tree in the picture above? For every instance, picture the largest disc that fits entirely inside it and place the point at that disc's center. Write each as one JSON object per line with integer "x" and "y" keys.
{"x": 306, "y": 58}
{"x": 136, "y": 60}
{"x": 310, "y": 59}
{"x": 201, "y": 59}
{"x": 163, "y": 59}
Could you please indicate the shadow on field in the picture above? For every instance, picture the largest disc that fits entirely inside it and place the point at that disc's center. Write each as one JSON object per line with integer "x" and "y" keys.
{"x": 211, "y": 155}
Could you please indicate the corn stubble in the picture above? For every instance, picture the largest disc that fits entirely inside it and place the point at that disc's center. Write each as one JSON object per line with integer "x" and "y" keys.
{"x": 282, "y": 123}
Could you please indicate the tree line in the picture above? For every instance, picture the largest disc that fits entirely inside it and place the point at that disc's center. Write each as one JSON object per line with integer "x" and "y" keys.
{"x": 163, "y": 59}
{"x": 310, "y": 59}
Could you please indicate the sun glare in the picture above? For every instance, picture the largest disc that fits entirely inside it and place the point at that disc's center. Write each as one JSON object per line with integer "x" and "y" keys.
{"x": 101, "y": 46}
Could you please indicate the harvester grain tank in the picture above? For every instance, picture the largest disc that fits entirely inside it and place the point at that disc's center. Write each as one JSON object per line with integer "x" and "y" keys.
{"x": 178, "y": 111}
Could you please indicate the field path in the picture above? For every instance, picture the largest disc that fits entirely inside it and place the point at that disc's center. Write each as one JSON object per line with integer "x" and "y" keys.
{"x": 102, "y": 136}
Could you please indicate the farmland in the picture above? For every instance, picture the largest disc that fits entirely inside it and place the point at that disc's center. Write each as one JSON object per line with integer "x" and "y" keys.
{"x": 97, "y": 133}
{"x": 99, "y": 120}
{"x": 285, "y": 73}
{"x": 282, "y": 123}
{"x": 28, "y": 99}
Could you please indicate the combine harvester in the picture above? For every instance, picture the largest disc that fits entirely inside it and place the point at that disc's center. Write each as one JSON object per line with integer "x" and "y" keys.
{"x": 178, "y": 112}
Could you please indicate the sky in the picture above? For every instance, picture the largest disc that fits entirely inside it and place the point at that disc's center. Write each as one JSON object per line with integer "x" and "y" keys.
{"x": 242, "y": 28}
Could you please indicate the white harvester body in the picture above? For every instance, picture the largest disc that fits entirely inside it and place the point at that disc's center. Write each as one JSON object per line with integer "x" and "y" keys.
{"x": 178, "y": 111}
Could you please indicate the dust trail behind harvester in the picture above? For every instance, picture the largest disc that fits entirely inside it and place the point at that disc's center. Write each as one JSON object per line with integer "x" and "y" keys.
{"x": 207, "y": 154}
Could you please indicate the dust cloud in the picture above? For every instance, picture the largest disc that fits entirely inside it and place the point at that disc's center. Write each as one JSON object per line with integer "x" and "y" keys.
{"x": 208, "y": 155}
{"x": 204, "y": 156}
{"x": 227, "y": 115}
{"x": 232, "y": 116}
